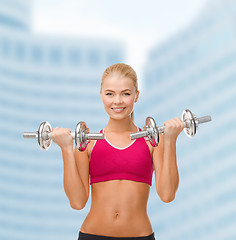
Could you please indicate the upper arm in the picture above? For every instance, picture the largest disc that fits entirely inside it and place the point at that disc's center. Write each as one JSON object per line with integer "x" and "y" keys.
{"x": 158, "y": 153}
{"x": 82, "y": 163}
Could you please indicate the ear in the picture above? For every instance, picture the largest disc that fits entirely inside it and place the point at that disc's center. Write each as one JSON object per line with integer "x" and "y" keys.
{"x": 137, "y": 96}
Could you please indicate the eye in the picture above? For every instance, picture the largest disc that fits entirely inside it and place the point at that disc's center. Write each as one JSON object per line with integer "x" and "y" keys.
{"x": 108, "y": 94}
{"x": 127, "y": 94}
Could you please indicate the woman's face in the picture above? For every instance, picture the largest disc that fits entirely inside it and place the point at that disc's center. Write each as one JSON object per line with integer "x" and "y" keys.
{"x": 118, "y": 95}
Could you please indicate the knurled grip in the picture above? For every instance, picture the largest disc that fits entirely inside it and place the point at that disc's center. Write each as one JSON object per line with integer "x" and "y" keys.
{"x": 139, "y": 134}
{"x": 203, "y": 119}
{"x": 95, "y": 136}
{"x": 30, "y": 135}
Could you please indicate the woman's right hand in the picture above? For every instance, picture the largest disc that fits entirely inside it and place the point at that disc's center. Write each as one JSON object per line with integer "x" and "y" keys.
{"x": 62, "y": 137}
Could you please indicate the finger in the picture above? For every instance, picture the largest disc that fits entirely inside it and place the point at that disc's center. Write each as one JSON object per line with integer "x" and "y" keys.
{"x": 174, "y": 123}
{"x": 56, "y": 128}
{"x": 68, "y": 131}
{"x": 170, "y": 123}
{"x": 167, "y": 123}
{"x": 179, "y": 122}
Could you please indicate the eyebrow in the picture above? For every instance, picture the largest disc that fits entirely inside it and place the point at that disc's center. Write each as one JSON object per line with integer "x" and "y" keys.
{"x": 109, "y": 90}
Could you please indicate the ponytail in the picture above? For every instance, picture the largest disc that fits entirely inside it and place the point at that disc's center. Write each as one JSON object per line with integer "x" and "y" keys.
{"x": 132, "y": 116}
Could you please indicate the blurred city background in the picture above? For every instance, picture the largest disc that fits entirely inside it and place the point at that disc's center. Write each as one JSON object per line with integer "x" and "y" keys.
{"x": 47, "y": 73}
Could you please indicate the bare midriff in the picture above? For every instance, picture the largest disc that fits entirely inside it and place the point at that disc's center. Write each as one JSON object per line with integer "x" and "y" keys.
{"x": 118, "y": 209}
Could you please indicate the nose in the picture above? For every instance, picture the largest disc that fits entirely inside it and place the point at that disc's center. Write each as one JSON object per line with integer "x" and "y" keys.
{"x": 118, "y": 99}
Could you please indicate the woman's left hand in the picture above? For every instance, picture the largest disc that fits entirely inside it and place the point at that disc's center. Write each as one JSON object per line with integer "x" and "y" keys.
{"x": 173, "y": 128}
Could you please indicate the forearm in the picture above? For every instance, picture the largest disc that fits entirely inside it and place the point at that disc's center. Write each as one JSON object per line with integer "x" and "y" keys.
{"x": 168, "y": 176}
{"x": 73, "y": 184}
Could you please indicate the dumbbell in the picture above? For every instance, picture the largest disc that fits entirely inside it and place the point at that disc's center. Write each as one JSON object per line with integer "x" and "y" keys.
{"x": 190, "y": 121}
{"x": 81, "y": 135}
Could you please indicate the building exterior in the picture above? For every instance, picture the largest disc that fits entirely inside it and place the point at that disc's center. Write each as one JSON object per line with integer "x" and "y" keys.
{"x": 43, "y": 78}
{"x": 196, "y": 69}
{"x": 57, "y": 79}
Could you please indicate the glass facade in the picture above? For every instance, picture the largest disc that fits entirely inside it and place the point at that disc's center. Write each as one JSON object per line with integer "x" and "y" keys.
{"x": 44, "y": 79}
{"x": 57, "y": 79}
{"x": 195, "y": 69}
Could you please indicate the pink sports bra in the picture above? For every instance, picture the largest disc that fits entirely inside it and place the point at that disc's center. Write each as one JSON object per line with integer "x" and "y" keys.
{"x": 133, "y": 162}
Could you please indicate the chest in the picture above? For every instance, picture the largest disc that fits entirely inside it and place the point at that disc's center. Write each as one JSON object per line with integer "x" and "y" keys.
{"x": 133, "y": 162}
{"x": 135, "y": 155}
{"x": 119, "y": 140}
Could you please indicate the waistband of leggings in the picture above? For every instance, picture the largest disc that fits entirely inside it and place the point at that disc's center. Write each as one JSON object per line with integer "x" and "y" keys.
{"x": 88, "y": 236}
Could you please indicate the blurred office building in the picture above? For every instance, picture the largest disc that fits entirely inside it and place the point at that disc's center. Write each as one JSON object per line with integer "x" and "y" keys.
{"x": 57, "y": 78}
{"x": 43, "y": 78}
{"x": 196, "y": 69}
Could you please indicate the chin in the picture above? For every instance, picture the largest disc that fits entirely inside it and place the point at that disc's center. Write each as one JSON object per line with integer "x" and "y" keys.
{"x": 119, "y": 117}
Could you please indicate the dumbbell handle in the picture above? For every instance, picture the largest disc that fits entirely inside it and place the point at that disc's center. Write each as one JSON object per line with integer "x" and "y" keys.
{"x": 145, "y": 133}
{"x": 162, "y": 128}
{"x": 89, "y": 136}
{"x": 94, "y": 136}
{"x": 203, "y": 119}
{"x": 30, "y": 135}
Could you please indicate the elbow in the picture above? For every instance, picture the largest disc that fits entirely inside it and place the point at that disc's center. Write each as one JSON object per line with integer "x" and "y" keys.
{"x": 77, "y": 206}
{"x": 167, "y": 198}
{"x": 166, "y": 195}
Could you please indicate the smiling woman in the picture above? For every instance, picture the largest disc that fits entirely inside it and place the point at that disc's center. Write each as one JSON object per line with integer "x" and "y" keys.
{"x": 125, "y": 92}
{"x": 120, "y": 170}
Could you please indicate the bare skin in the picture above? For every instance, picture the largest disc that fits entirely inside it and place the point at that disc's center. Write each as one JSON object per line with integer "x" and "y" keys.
{"x": 119, "y": 207}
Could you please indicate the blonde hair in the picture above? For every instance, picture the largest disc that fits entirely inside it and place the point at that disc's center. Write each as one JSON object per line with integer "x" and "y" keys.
{"x": 125, "y": 71}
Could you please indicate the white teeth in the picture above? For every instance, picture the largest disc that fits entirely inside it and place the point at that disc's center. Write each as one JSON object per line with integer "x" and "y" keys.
{"x": 118, "y": 109}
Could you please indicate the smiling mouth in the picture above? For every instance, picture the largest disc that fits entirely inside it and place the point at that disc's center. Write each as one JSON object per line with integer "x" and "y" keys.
{"x": 118, "y": 109}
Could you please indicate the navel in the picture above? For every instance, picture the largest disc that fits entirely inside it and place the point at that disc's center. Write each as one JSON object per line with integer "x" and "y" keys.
{"x": 117, "y": 214}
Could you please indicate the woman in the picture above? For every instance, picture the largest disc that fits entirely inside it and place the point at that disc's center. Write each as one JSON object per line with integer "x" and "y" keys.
{"x": 120, "y": 170}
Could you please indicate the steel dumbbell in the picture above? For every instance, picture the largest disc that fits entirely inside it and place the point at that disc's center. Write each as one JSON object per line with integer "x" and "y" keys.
{"x": 81, "y": 135}
{"x": 190, "y": 121}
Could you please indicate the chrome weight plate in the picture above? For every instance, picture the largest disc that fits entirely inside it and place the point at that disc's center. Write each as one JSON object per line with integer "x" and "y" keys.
{"x": 189, "y": 119}
{"x": 43, "y": 138}
{"x": 152, "y": 131}
{"x": 80, "y": 136}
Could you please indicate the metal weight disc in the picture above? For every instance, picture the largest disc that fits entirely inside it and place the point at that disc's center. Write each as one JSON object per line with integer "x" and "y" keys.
{"x": 43, "y": 140}
{"x": 191, "y": 128}
{"x": 153, "y": 134}
{"x": 80, "y": 137}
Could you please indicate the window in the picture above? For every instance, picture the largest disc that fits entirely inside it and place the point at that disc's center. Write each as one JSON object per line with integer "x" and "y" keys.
{"x": 37, "y": 54}
{"x": 74, "y": 57}
{"x": 55, "y": 56}
{"x": 5, "y": 47}
{"x": 94, "y": 58}
{"x": 20, "y": 51}
{"x": 113, "y": 57}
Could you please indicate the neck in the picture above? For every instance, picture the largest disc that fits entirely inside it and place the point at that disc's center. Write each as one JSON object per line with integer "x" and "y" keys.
{"x": 120, "y": 125}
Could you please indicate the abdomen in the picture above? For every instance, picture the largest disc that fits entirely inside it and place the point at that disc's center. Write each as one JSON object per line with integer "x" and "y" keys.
{"x": 118, "y": 209}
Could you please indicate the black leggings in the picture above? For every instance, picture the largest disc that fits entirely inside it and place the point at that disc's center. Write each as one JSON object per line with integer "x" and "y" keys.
{"x": 88, "y": 236}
